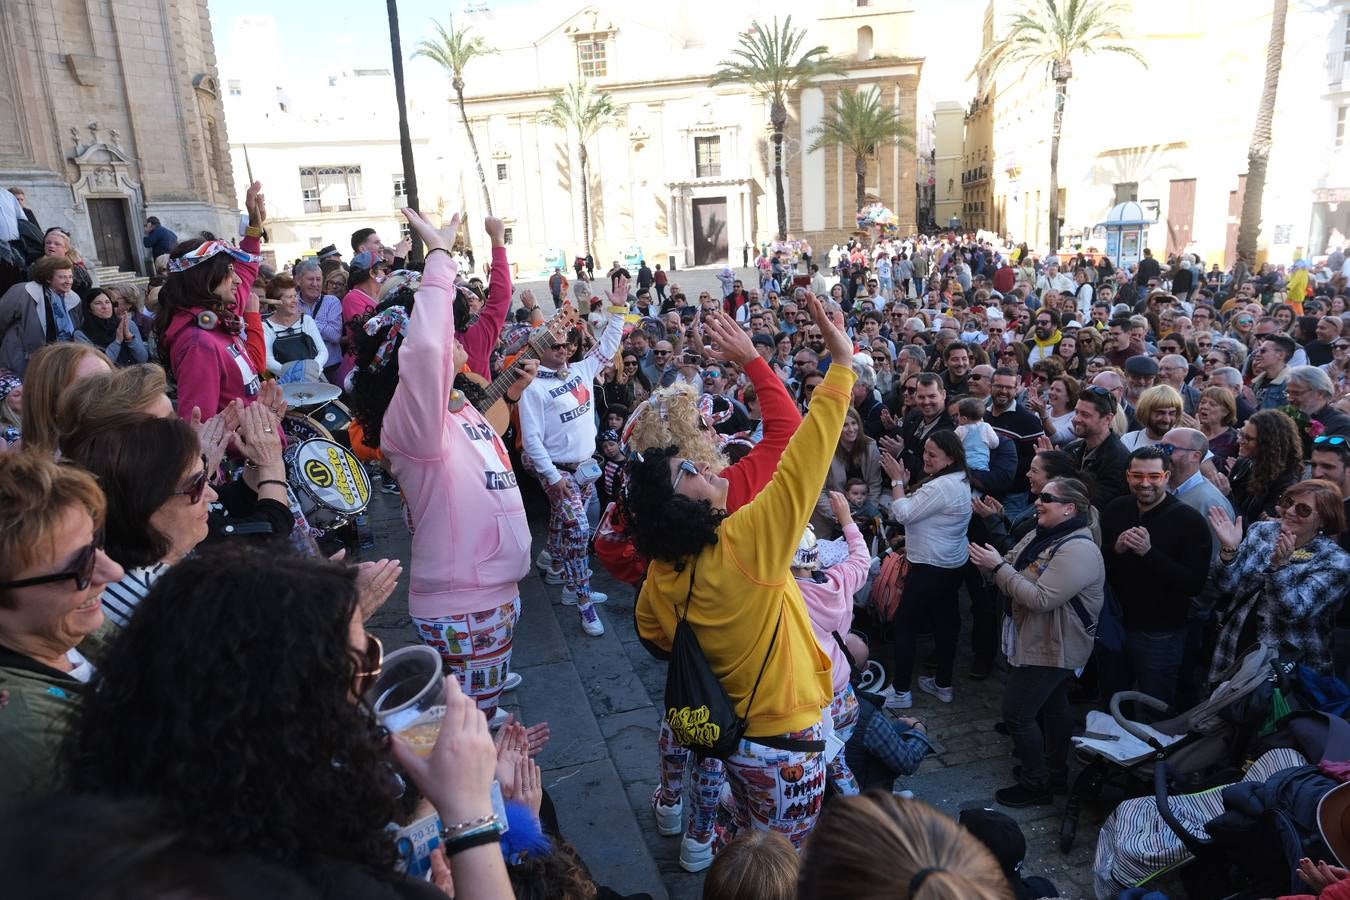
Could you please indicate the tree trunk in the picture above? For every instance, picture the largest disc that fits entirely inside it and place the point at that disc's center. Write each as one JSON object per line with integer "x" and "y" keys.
{"x": 860, "y": 169}
{"x": 404, "y": 138}
{"x": 778, "y": 118}
{"x": 1061, "y": 96}
{"x": 585, "y": 200}
{"x": 1258, "y": 151}
{"x": 473, "y": 144}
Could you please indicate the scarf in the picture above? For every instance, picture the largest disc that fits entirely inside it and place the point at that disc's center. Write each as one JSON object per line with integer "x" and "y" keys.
{"x": 1044, "y": 537}
{"x": 1047, "y": 344}
{"x": 101, "y": 332}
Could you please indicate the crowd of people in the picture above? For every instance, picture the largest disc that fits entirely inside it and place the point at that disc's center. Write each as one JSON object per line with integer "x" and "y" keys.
{"x": 801, "y": 474}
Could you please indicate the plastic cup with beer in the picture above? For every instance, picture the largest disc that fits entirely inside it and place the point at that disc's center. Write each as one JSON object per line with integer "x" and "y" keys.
{"x": 409, "y": 696}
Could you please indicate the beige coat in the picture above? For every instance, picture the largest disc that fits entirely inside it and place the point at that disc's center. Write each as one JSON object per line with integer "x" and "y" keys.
{"x": 1049, "y": 632}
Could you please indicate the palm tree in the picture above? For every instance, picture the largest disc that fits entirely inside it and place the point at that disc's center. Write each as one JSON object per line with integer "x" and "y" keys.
{"x": 404, "y": 136}
{"x": 577, "y": 109}
{"x": 453, "y": 51}
{"x": 1258, "y": 151}
{"x": 1050, "y": 34}
{"x": 859, "y": 123}
{"x": 767, "y": 60}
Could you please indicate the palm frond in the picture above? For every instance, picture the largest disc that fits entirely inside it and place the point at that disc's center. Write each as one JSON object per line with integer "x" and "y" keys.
{"x": 770, "y": 59}
{"x": 452, "y": 50}
{"x": 578, "y": 109}
{"x": 1042, "y": 33}
{"x": 858, "y": 122}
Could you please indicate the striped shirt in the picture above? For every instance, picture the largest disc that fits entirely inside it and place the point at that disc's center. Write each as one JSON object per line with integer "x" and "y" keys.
{"x": 121, "y": 598}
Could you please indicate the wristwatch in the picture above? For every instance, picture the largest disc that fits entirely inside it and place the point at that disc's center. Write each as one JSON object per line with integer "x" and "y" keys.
{"x": 896, "y": 482}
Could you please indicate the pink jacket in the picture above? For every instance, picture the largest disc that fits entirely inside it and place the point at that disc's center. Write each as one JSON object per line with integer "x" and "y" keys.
{"x": 356, "y": 303}
{"x": 471, "y": 542}
{"x": 212, "y": 367}
{"x": 830, "y": 603}
{"x": 480, "y": 337}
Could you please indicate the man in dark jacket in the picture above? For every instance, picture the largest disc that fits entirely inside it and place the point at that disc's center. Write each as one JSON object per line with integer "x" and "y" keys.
{"x": 1157, "y": 552}
{"x": 1098, "y": 451}
{"x": 929, "y": 416}
{"x": 1148, "y": 268}
{"x": 158, "y": 239}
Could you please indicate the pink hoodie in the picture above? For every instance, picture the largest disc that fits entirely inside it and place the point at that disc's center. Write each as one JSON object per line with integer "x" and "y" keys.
{"x": 830, "y": 603}
{"x": 472, "y": 543}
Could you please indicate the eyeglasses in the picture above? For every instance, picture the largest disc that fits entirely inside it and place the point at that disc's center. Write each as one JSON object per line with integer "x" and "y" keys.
{"x": 974, "y": 376}
{"x": 629, "y": 364}
{"x": 1329, "y": 440}
{"x": 1286, "y": 504}
{"x": 1340, "y": 346}
{"x": 686, "y": 468}
{"x": 879, "y": 359}
{"x": 1146, "y": 477}
{"x": 1169, "y": 449}
{"x": 654, "y": 352}
{"x": 371, "y": 664}
{"x": 1047, "y": 497}
{"x": 81, "y": 570}
{"x": 1244, "y": 437}
{"x": 196, "y": 487}
{"x": 565, "y": 346}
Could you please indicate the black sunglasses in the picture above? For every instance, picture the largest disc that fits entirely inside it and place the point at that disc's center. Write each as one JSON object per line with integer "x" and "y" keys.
{"x": 1047, "y": 497}
{"x": 196, "y": 487}
{"x": 81, "y": 570}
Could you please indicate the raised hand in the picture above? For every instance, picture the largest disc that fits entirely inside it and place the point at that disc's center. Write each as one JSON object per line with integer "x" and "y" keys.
{"x": 837, "y": 343}
{"x": 730, "y": 343}
{"x": 375, "y": 582}
{"x": 432, "y": 238}
{"x": 256, "y": 204}
{"x": 270, "y": 395}
{"x": 895, "y": 470}
{"x": 618, "y": 295}
{"x": 496, "y": 230}
{"x": 213, "y": 434}
{"x": 986, "y": 506}
{"x": 1226, "y": 530}
{"x": 840, "y": 508}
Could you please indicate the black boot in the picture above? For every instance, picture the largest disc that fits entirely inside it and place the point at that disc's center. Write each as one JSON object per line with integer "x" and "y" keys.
{"x": 1020, "y": 795}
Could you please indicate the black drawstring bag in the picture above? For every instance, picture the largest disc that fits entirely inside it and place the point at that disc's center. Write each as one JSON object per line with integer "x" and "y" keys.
{"x": 698, "y": 710}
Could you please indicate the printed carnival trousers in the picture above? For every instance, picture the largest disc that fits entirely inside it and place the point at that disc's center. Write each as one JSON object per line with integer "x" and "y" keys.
{"x": 708, "y": 777}
{"x": 569, "y": 533}
{"x": 476, "y": 647}
{"x": 775, "y": 790}
{"x": 844, "y": 717}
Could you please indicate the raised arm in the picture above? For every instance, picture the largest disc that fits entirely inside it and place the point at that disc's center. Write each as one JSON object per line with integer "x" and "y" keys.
{"x": 480, "y": 337}
{"x": 416, "y": 415}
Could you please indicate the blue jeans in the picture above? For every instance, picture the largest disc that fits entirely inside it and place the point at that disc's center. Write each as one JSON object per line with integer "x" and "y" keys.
{"x": 1015, "y": 504}
{"x": 1043, "y": 691}
{"x": 1153, "y": 658}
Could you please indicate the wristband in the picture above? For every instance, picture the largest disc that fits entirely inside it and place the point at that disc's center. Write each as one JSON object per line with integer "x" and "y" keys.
{"x": 487, "y": 834}
{"x": 450, "y": 831}
{"x": 896, "y": 482}
{"x": 435, "y": 249}
{"x": 253, "y": 231}
{"x": 282, "y": 484}
{"x": 1001, "y": 564}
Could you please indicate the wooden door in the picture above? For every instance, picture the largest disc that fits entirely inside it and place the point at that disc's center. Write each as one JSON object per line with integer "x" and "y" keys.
{"x": 1235, "y": 199}
{"x": 112, "y": 244}
{"x": 710, "y": 231}
{"x": 1180, "y": 215}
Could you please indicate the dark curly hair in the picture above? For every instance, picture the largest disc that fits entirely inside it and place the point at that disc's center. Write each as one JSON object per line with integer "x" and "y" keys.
{"x": 372, "y": 391}
{"x": 193, "y": 287}
{"x": 227, "y": 700}
{"x": 665, "y": 524}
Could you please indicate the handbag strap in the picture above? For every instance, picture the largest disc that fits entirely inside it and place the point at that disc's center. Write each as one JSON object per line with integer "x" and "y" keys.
{"x": 689, "y": 596}
{"x": 767, "y": 653}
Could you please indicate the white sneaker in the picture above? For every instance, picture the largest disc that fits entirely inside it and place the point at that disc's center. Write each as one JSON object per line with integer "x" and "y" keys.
{"x": 544, "y": 560}
{"x": 695, "y": 856}
{"x": 552, "y": 576}
{"x": 929, "y": 686}
{"x": 669, "y": 819}
{"x": 900, "y": 700}
{"x": 590, "y": 620}
{"x": 569, "y": 597}
{"x": 512, "y": 681}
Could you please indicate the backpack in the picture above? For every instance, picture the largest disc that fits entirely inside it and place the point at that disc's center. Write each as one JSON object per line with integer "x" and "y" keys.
{"x": 889, "y": 585}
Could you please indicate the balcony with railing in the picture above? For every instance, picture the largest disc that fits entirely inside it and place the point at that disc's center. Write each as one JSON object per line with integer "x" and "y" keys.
{"x": 1338, "y": 69}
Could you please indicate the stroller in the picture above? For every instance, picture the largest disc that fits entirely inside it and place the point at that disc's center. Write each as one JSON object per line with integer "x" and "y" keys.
{"x": 1202, "y": 747}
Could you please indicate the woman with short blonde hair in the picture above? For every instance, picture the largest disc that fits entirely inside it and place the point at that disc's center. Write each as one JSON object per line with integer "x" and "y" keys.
{"x": 51, "y": 371}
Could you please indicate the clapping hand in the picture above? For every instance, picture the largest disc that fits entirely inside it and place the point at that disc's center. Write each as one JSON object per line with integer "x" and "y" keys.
{"x": 1044, "y": 443}
{"x": 375, "y": 582}
{"x": 1284, "y": 548}
{"x": 888, "y": 420}
{"x": 984, "y": 557}
{"x": 258, "y": 437}
{"x": 1228, "y": 532}
{"x": 893, "y": 446}
{"x": 1319, "y": 875}
{"x": 894, "y": 469}
{"x": 986, "y": 506}
{"x": 273, "y": 397}
{"x": 214, "y": 434}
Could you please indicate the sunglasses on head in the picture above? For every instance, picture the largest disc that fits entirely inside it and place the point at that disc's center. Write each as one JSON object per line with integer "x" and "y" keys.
{"x": 196, "y": 487}
{"x": 81, "y": 569}
{"x": 1329, "y": 440}
{"x": 1286, "y": 504}
{"x": 370, "y": 665}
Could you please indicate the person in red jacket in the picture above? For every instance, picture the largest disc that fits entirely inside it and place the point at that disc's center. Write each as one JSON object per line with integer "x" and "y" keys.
{"x": 742, "y": 481}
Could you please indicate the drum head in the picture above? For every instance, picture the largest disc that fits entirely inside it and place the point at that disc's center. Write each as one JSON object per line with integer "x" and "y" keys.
{"x": 334, "y": 417}
{"x": 331, "y": 475}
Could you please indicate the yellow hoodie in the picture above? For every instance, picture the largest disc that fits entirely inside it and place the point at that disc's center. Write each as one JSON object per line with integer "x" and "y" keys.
{"x": 744, "y": 584}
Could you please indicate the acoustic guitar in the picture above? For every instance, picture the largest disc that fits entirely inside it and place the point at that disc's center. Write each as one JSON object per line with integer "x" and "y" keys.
{"x": 493, "y": 404}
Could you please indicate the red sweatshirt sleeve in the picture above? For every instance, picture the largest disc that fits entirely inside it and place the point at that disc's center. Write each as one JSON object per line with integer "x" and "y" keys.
{"x": 480, "y": 337}
{"x": 254, "y": 341}
{"x": 781, "y": 419}
{"x": 248, "y": 273}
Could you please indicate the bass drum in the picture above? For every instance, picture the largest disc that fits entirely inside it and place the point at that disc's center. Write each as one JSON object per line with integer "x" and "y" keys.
{"x": 328, "y": 481}
{"x": 335, "y": 418}
{"x": 299, "y": 428}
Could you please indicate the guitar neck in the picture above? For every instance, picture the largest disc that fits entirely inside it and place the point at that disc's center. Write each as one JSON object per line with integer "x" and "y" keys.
{"x": 494, "y": 392}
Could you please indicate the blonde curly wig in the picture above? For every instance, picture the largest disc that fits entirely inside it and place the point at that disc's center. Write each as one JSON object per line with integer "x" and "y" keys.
{"x": 670, "y": 417}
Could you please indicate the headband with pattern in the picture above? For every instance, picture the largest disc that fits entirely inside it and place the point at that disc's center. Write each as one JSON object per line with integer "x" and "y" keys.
{"x": 207, "y": 250}
{"x": 396, "y": 319}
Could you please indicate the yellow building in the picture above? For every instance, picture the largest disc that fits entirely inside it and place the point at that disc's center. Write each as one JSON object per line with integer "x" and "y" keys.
{"x": 687, "y": 172}
{"x": 949, "y": 129}
{"x": 1173, "y": 135}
